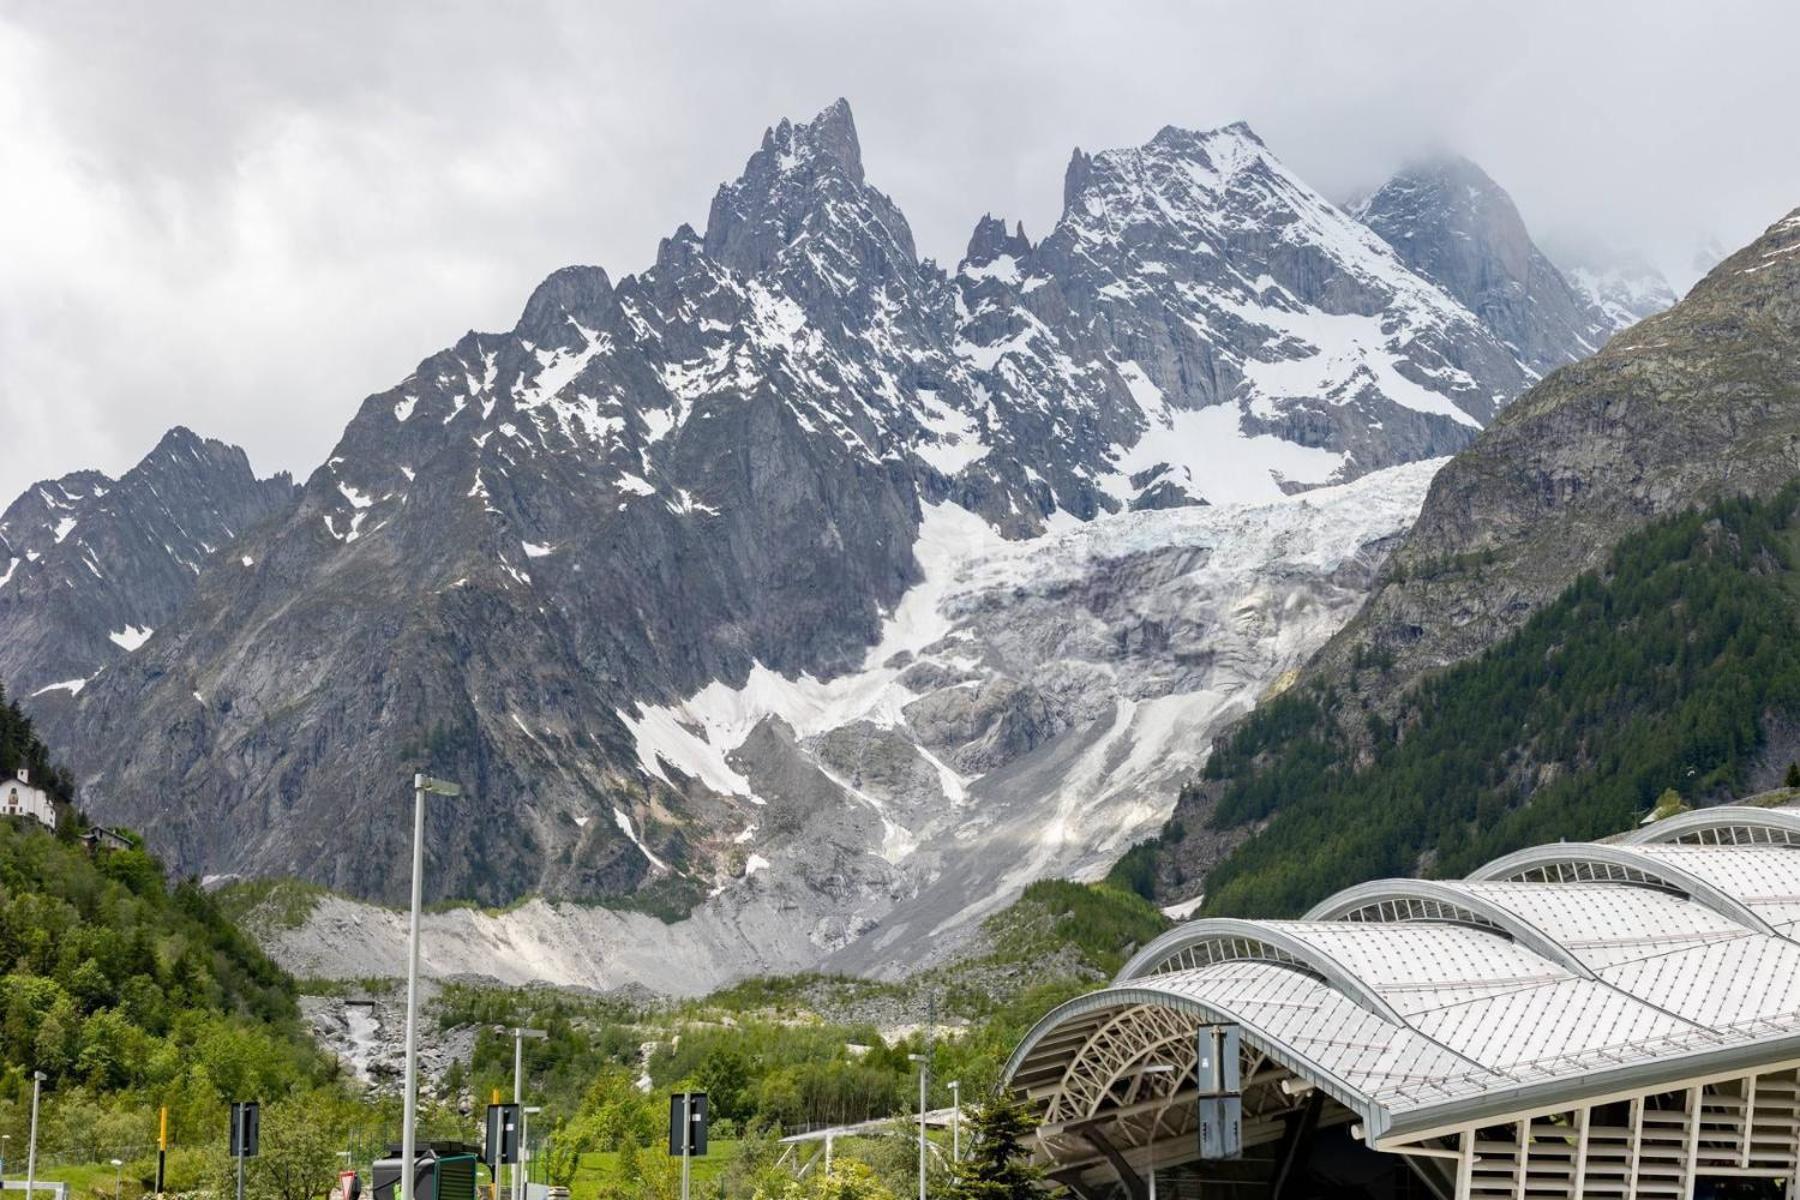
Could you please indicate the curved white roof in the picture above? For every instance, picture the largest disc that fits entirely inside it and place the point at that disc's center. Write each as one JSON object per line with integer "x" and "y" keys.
{"x": 1550, "y": 974}
{"x": 1726, "y": 825}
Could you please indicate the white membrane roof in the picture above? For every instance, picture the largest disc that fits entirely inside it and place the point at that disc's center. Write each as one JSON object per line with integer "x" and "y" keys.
{"x": 1550, "y": 974}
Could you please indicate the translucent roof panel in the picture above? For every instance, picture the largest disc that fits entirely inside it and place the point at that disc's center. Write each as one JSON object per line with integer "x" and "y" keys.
{"x": 1575, "y": 1017}
{"x": 1735, "y": 984}
{"x": 1601, "y": 924}
{"x": 1766, "y": 878}
{"x": 1365, "y": 1051}
{"x": 1417, "y": 967}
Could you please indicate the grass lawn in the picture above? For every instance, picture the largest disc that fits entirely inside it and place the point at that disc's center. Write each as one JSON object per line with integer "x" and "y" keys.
{"x": 87, "y": 1181}
{"x": 603, "y": 1167}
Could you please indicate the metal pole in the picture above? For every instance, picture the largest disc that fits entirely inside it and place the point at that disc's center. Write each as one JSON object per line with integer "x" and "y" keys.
{"x": 687, "y": 1138}
{"x": 518, "y": 1099}
{"x": 37, "y": 1081}
{"x": 408, "y": 1146}
{"x": 241, "y": 1131}
{"x": 828, "y": 1153}
{"x": 525, "y": 1142}
{"x": 955, "y": 1120}
{"x": 921, "y": 1133}
{"x": 162, "y": 1147}
{"x": 118, "y": 1177}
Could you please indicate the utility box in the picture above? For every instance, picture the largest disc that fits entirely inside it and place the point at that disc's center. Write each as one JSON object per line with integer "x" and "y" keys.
{"x": 1221, "y": 1102}
{"x": 442, "y": 1171}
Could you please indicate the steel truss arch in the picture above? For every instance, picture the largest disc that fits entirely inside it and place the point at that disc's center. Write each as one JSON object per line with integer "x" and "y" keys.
{"x": 1198, "y": 1013}
{"x": 1724, "y": 825}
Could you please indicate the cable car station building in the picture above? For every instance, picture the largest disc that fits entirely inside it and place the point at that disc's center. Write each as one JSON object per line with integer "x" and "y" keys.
{"x": 1576, "y": 1020}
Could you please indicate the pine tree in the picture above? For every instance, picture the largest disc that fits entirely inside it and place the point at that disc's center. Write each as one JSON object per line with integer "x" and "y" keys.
{"x": 998, "y": 1166}
{"x": 1793, "y": 776}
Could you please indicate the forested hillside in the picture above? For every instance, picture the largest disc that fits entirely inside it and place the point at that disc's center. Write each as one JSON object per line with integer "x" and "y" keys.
{"x": 1676, "y": 666}
{"x": 127, "y": 992}
{"x": 20, "y": 746}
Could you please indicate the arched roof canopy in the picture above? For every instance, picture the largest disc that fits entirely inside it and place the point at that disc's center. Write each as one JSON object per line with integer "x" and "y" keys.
{"x": 1224, "y": 939}
{"x": 1724, "y": 825}
{"x": 1075, "y": 1051}
{"x": 1588, "y": 862}
{"x": 1432, "y": 900}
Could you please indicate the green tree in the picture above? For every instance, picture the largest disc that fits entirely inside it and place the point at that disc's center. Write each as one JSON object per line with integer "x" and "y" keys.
{"x": 1792, "y": 778}
{"x": 998, "y": 1165}
{"x": 297, "y": 1153}
{"x": 848, "y": 1179}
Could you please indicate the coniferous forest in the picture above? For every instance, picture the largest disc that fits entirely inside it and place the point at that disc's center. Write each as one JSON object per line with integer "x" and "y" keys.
{"x": 1664, "y": 672}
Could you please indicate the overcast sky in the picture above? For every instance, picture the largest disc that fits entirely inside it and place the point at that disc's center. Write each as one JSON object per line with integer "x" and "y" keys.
{"x": 245, "y": 218}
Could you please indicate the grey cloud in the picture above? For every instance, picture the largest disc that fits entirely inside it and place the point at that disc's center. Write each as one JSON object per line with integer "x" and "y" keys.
{"x": 246, "y": 218}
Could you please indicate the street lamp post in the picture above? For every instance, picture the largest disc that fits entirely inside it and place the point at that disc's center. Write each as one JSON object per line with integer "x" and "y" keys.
{"x": 1155, "y": 1120}
{"x": 956, "y": 1120}
{"x": 525, "y": 1144}
{"x": 519, "y": 1036}
{"x": 923, "y": 1063}
{"x": 37, "y": 1082}
{"x": 118, "y": 1176}
{"x": 422, "y": 784}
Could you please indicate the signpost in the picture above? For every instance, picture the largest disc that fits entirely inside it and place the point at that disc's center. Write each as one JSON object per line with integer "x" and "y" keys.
{"x": 162, "y": 1148}
{"x": 502, "y": 1144}
{"x": 246, "y": 1133}
{"x": 687, "y": 1130}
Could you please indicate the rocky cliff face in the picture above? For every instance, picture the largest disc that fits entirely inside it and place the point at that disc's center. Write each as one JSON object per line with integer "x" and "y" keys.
{"x": 605, "y": 567}
{"x": 1030, "y": 711}
{"x": 1457, "y": 227}
{"x": 1697, "y": 403}
{"x": 91, "y": 567}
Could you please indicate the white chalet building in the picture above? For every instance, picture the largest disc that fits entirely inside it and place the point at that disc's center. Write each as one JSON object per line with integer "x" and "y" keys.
{"x": 19, "y": 799}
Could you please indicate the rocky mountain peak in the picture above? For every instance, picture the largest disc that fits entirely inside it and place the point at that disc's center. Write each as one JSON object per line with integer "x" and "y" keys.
{"x": 90, "y": 566}
{"x": 1449, "y": 221}
{"x": 572, "y": 292}
{"x": 828, "y": 137}
{"x": 805, "y": 183}
{"x": 991, "y": 241}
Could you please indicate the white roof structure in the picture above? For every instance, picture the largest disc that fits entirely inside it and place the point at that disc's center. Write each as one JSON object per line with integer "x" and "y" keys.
{"x": 1550, "y": 975}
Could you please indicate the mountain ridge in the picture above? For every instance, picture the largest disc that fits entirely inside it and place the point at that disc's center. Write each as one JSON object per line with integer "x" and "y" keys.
{"x": 1691, "y": 406}
{"x": 587, "y": 565}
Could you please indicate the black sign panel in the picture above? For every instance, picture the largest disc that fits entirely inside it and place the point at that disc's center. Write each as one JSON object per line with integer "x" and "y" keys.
{"x": 687, "y": 1124}
{"x": 502, "y": 1145}
{"x": 246, "y": 1128}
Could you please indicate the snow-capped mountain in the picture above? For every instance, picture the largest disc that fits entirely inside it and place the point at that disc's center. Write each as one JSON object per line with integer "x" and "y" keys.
{"x": 1454, "y": 225}
{"x": 90, "y": 566}
{"x": 1029, "y": 710}
{"x": 1622, "y": 292}
{"x": 1203, "y": 326}
{"x": 619, "y": 569}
